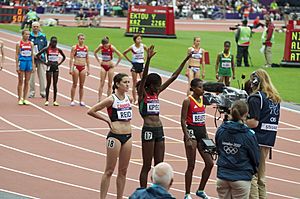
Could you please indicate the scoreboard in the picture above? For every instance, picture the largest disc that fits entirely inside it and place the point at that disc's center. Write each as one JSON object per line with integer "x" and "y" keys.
{"x": 292, "y": 45}
{"x": 153, "y": 21}
{"x": 12, "y": 14}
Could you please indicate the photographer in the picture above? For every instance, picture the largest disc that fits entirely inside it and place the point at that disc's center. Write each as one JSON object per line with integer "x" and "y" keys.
{"x": 264, "y": 111}
{"x": 238, "y": 152}
{"x": 193, "y": 127}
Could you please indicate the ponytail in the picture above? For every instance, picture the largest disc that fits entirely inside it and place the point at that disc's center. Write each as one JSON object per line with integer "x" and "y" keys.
{"x": 238, "y": 109}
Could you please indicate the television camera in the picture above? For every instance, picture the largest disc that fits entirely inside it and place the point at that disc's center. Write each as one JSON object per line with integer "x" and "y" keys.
{"x": 223, "y": 97}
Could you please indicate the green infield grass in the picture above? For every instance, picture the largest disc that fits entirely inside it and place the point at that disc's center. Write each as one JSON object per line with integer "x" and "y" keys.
{"x": 170, "y": 52}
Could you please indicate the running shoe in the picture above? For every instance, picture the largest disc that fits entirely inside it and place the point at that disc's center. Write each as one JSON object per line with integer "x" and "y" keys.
{"x": 202, "y": 194}
{"x": 187, "y": 196}
{"x": 72, "y": 103}
{"x": 46, "y": 103}
{"x": 20, "y": 102}
{"x": 55, "y": 103}
{"x": 25, "y": 102}
{"x": 82, "y": 104}
{"x": 43, "y": 95}
{"x": 31, "y": 95}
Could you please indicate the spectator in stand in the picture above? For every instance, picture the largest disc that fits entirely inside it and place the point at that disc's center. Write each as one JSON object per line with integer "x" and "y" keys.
{"x": 94, "y": 17}
{"x": 81, "y": 18}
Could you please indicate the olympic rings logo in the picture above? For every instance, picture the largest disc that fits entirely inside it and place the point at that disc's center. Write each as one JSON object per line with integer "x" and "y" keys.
{"x": 230, "y": 150}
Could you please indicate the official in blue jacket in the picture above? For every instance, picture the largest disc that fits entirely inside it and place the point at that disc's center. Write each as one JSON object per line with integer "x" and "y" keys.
{"x": 39, "y": 41}
{"x": 162, "y": 178}
{"x": 238, "y": 152}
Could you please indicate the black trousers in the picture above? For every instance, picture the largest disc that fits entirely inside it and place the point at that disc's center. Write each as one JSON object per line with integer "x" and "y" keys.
{"x": 242, "y": 52}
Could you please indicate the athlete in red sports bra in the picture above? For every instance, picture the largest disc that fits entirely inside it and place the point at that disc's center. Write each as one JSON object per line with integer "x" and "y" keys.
{"x": 79, "y": 67}
{"x": 107, "y": 66}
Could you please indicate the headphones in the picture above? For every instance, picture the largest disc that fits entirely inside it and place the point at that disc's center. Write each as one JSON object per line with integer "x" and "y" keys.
{"x": 255, "y": 79}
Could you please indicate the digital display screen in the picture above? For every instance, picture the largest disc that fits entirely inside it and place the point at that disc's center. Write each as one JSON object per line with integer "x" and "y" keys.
{"x": 12, "y": 14}
{"x": 147, "y": 23}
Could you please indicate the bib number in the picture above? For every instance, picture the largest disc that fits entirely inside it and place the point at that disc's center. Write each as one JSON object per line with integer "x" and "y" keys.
{"x": 26, "y": 53}
{"x": 124, "y": 115}
{"x": 226, "y": 65}
{"x": 153, "y": 107}
{"x": 198, "y": 118}
{"x": 191, "y": 133}
{"x": 53, "y": 58}
{"x": 148, "y": 135}
{"x": 110, "y": 143}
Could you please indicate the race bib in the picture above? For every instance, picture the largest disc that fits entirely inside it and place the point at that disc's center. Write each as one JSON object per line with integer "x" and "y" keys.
{"x": 26, "y": 53}
{"x": 226, "y": 64}
{"x": 138, "y": 56}
{"x": 198, "y": 118}
{"x": 191, "y": 133}
{"x": 153, "y": 107}
{"x": 53, "y": 58}
{"x": 106, "y": 58}
{"x": 197, "y": 56}
{"x": 124, "y": 114}
{"x": 81, "y": 54}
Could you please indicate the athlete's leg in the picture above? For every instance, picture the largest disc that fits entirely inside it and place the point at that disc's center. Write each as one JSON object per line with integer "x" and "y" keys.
{"x": 74, "y": 84}
{"x": 113, "y": 147}
{"x": 55, "y": 80}
{"x": 159, "y": 152}
{"x": 124, "y": 158}
{"x": 207, "y": 168}
{"x": 190, "y": 75}
{"x": 103, "y": 74}
{"x": 20, "y": 84}
{"x": 48, "y": 77}
{"x": 26, "y": 84}
{"x": 82, "y": 76}
{"x": 227, "y": 80}
{"x": 110, "y": 79}
{"x": 147, "y": 151}
{"x": 190, "y": 152}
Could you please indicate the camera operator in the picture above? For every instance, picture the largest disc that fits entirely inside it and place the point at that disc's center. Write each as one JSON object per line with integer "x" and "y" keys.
{"x": 242, "y": 38}
{"x": 193, "y": 127}
{"x": 238, "y": 152}
{"x": 264, "y": 111}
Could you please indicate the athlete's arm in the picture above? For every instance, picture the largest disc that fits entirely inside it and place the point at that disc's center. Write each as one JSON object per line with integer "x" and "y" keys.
{"x": 118, "y": 53}
{"x": 63, "y": 56}
{"x": 125, "y": 53}
{"x": 187, "y": 67}
{"x": 203, "y": 64}
{"x": 38, "y": 55}
{"x": 17, "y": 56}
{"x": 96, "y": 51}
{"x": 217, "y": 66}
{"x": 175, "y": 74}
{"x": 184, "y": 112}
{"x": 93, "y": 111}
{"x": 71, "y": 60}
{"x": 87, "y": 59}
{"x": 141, "y": 89}
{"x": 32, "y": 56}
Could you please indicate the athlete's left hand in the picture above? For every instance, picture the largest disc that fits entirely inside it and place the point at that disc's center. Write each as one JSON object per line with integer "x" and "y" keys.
{"x": 87, "y": 73}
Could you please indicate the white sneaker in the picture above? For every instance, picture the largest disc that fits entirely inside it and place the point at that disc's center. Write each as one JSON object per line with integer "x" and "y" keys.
{"x": 188, "y": 196}
{"x": 82, "y": 104}
{"x": 72, "y": 103}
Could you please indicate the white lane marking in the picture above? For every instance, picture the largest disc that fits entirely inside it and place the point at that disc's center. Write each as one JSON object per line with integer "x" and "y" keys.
{"x": 19, "y": 194}
{"x": 53, "y": 180}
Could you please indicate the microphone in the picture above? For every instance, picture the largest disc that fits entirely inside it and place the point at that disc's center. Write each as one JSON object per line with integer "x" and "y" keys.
{"x": 215, "y": 87}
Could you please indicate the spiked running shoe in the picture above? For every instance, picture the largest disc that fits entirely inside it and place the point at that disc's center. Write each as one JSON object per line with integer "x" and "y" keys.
{"x": 55, "y": 103}
{"x": 46, "y": 103}
{"x": 202, "y": 194}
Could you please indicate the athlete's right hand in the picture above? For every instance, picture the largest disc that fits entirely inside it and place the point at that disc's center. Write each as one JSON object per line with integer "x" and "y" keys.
{"x": 71, "y": 72}
{"x": 217, "y": 76}
{"x": 150, "y": 52}
{"x": 189, "y": 142}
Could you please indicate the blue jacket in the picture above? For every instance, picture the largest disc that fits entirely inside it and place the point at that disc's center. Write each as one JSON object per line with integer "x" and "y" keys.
{"x": 238, "y": 152}
{"x": 39, "y": 41}
{"x": 153, "y": 192}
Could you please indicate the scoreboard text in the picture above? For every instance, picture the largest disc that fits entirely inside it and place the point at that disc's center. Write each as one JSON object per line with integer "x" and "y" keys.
{"x": 12, "y": 14}
{"x": 151, "y": 20}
